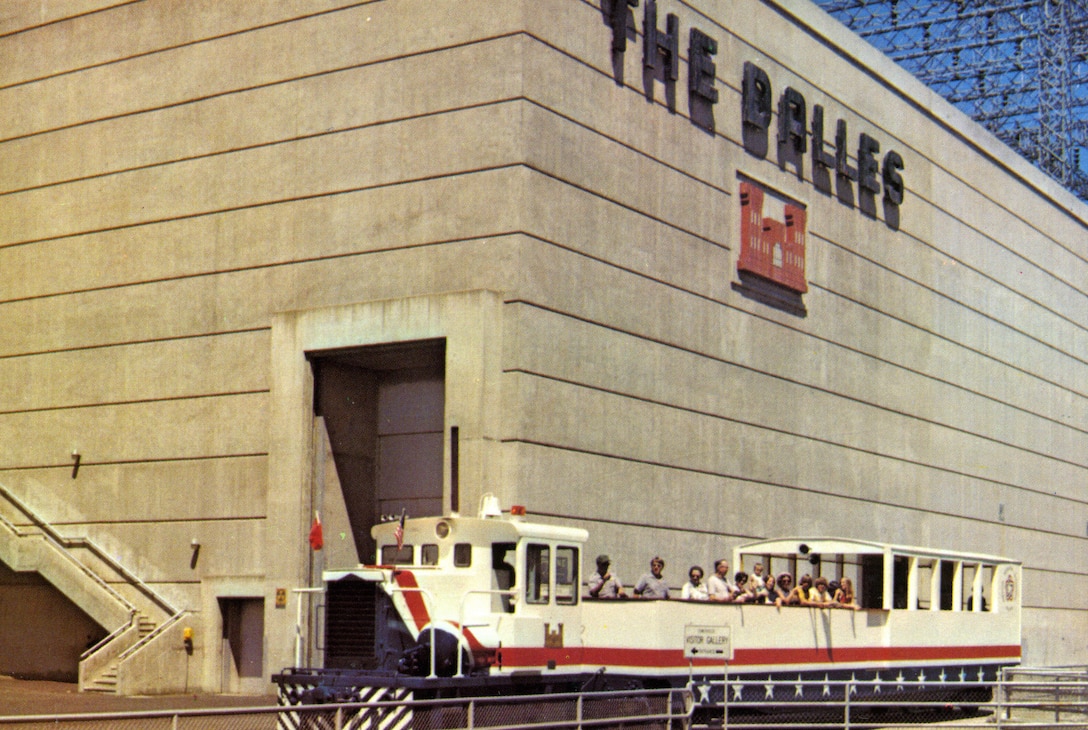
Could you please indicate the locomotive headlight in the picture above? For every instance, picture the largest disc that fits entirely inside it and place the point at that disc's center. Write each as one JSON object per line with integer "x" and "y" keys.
{"x": 442, "y": 529}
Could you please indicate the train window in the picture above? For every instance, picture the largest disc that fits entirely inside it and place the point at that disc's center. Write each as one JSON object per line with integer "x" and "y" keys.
{"x": 537, "y": 573}
{"x": 900, "y": 581}
{"x": 428, "y": 555}
{"x": 871, "y": 591}
{"x": 392, "y": 556}
{"x": 462, "y": 555}
{"x": 925, "y": 584}
{"x": 566, "y": 575}
{"x": 503, "y": 576}
{"x": 948, "y": 583}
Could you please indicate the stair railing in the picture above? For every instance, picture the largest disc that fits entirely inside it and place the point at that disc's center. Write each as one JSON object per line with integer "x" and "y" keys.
{"x": 65, "y": 544}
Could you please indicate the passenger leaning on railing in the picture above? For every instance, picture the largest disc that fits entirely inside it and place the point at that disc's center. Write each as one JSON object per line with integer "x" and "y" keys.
{"x": 652, "y": 585}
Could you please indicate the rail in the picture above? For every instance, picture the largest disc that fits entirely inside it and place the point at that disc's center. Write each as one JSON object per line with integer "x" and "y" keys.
{"x": 1004, "y": 703}
{"x": 158, "y": 631}
{"x": 65, "y": 544}
{"x": 663, "y": 709}
{"x": 429, "y": 600}
{"x": 676, "y": 708}
{"x": 461, "y": 626}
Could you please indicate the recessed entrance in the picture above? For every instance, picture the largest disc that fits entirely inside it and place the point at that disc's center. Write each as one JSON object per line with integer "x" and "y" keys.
{"x": 383, "y": 410}
{"x": 243, "y": 644}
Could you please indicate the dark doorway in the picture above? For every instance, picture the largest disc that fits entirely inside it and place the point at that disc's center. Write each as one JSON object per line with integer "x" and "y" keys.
{"x": 243, "y": 635}
{"x": 384, "y": 411}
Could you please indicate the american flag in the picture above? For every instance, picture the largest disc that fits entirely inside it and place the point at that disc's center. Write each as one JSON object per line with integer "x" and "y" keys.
{"x": 398, "y": 532}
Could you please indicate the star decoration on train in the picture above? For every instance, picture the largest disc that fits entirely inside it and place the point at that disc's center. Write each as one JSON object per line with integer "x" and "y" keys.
{"x": 770, "y": 688}
{"x": 876, "y": 683}
{"x": 827, "y": 687}
{"x": 981, "y": 674}
{"x": 922, "y": 675}
{"x": 738, "y": 690}
{"x": 799, "y": 687}
{"x": 899, "y": 682}
{"x": 704, "y": 692}
{"x": 853, "y": 683}
{"x": 963, "y": 674}
{"x": 943, "y": 676}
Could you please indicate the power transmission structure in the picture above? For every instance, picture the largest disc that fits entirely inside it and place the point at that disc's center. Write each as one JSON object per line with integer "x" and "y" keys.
{"x": 1017, "y": 67}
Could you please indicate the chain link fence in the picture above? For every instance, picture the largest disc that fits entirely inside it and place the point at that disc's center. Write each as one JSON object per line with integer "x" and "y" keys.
{"x": 1021, "y": 698}
{"x": 651, "y": 709}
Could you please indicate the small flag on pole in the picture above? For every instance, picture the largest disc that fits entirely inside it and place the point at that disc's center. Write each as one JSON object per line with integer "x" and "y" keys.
{"x": 398, "y": 532}
{"x": 317, "y": 538}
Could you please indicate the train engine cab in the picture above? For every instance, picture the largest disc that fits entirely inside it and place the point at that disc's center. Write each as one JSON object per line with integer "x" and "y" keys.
{"x": 455, "y": 596}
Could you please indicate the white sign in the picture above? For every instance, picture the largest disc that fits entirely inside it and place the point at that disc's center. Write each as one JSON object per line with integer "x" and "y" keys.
{"x": 707, "y": 642}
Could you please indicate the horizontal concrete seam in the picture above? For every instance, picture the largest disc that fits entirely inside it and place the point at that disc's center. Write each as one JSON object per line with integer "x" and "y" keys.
{"x": 832, "y": 343}
{"x": 256, "y": 267}
{"x": 86, "y": 463}
{"x": 160, "y": 521}
{"x": 165, "y": 49}
{"x": 134, "y": 402}
{"x": 780, "y": 485}
{"x": 966, "y": 348}
{"x": 67, "y": 18}
{"x": 807, "y": 437}
{"x": 941, "y": 295}
{"x": 969, "y": 267}
{"x": 791, "y": 381}
{"x": 262, "y": 145}
{"x": 135, "y": 343}
{"x": 261, "y": 204}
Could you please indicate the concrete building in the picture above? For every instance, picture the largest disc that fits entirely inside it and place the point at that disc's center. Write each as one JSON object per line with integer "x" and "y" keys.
{"x": 743, "y": 279}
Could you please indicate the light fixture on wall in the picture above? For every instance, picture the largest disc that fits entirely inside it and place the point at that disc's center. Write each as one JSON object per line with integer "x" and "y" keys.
{"x": 195, "y": 545}
{"x": 75, "y": 462}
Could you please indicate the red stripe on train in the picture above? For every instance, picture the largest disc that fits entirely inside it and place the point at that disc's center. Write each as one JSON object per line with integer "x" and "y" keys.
{"x": 674, "y": 658}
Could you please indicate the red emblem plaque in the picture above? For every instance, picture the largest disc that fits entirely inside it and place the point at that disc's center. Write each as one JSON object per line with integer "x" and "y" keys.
{"x": 772, "y": 249}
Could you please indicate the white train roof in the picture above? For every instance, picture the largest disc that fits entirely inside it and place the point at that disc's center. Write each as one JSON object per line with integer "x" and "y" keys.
{"x": 848, "y": 546}
{"x": 481, "y": 529}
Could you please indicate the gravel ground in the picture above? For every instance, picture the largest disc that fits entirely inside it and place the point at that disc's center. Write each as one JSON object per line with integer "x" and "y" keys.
{"x": 25, "y": 697}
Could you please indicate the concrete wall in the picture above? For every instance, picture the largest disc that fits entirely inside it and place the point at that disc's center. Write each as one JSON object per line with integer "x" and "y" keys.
{"x": 195, "y": 194}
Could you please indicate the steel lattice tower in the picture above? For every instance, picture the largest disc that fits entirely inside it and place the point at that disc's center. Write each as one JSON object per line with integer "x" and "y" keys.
{"x": 1018, "y": 67}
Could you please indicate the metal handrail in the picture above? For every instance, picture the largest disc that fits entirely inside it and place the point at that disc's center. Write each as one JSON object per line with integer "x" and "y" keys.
{"x": 512, "y": 592}
{"x": 109, "y": 637}
{"x": 61, "y": 550}
{"x": 158, "y": 631}
{"x": 65, "y": 543}
{"x": 430, "y": 610}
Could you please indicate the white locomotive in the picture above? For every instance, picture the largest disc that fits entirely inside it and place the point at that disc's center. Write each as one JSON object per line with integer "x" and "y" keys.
{"x": 495, "y": 603}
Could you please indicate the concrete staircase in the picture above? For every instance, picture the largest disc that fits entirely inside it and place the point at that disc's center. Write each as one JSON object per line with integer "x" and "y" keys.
{"x": 93, "y": 580}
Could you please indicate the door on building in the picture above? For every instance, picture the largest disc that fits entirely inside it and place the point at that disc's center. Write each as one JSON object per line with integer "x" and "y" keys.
{"x": 383, "y": 408}
{"x": 243, "y": 645}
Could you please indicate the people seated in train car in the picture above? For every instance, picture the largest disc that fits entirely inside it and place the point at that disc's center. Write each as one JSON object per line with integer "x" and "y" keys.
{"x": 769, "y": 593}
{"x": 780, "y": 591}
{"x": 741, "y": 592}
{"x": 799, "y": 595}
{"x": 844, "y": 596}
{"x": 718, "y": 585}
{"x": 604, "y": 583}
{"x": 756, "y": 580}
{"x": 652, "y": 584}
{"x": 819, "y": 595}
{"x": 695, "y": 588}
{"x": 757, "y": 584}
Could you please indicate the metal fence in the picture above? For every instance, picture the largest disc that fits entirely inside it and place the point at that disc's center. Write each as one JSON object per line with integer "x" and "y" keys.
{"x": 652, "y": 709}
{"x": 1020, "y": 698}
